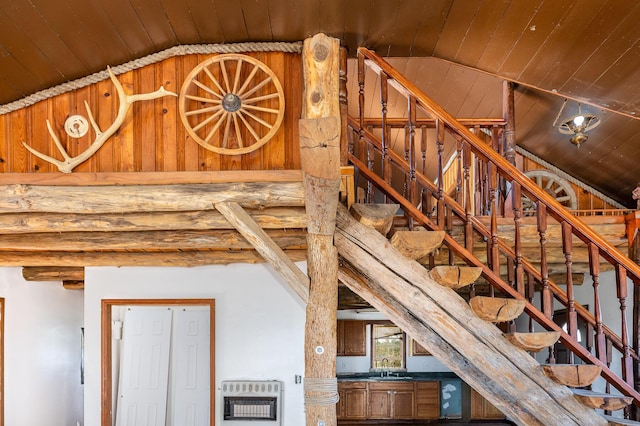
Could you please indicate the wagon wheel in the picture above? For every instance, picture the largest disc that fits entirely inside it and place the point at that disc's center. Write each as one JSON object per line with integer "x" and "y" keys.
{"x": 231, "y": 104}
{"x": 553, "y": 185}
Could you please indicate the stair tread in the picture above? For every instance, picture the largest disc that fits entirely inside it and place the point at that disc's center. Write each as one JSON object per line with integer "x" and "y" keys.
{"x": 497, "y": 309}
{"x": 600, "y": 400}
{"x": 574, "y": 375}
{"x": 533, "y": 342}
{"x": 455, "y": 277}
{"x": 614, "y": 421}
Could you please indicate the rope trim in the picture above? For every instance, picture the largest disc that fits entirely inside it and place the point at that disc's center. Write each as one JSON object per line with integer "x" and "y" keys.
{"x": 181, "y": 50}
{"x": 325, "y": 391}
{"x": 568, "y": 177}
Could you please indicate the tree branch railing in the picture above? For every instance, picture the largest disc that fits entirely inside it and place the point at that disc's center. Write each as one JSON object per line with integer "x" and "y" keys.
{"x": 506, "y": 267}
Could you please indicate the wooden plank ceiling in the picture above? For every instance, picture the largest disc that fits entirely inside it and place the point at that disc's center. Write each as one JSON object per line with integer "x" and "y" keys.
{"x": 457, "y": 50}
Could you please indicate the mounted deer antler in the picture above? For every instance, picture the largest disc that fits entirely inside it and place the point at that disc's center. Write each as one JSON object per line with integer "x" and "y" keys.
{"x": 70, "y": 163}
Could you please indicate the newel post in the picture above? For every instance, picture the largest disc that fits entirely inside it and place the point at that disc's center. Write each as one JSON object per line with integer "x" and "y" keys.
{"x": 320, "y": 158}
{"x": 632, "y": 221}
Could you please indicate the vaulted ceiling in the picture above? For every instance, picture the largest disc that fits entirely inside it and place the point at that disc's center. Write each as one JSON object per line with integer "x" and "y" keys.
{"x": 458, "y": 51}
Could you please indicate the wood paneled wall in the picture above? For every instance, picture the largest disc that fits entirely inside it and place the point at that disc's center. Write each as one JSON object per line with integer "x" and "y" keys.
{"x": 152, "y": 138}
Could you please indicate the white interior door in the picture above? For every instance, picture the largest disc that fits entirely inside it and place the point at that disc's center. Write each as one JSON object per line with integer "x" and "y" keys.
{"x": 189, "y": 388}
{"x": 142, "y": 389}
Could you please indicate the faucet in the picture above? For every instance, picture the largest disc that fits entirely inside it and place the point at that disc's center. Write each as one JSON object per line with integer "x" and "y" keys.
{"x": 385, "y": 366}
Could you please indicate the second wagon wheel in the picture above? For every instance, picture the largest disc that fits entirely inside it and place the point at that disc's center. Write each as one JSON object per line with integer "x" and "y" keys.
{"x": 553, "y": 185}
{"x": 231, "y": 104}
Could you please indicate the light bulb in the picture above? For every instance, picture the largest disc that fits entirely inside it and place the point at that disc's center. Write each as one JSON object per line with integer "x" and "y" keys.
{"x": 578, "y": 120}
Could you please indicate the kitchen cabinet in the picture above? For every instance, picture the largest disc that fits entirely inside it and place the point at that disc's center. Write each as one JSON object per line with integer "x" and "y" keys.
{"x": 483, "y": 409}
{"x": 427, "y": 400}
{"x": 352, "y": 339}
{"x": 391, "y": 400}
{"x": 353, "y": 401}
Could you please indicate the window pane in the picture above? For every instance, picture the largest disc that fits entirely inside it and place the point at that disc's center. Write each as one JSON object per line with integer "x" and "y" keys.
{"x": 388, "y": 344}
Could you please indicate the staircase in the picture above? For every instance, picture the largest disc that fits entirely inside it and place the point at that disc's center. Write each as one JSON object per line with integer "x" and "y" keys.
{"x": 495, "y": 364}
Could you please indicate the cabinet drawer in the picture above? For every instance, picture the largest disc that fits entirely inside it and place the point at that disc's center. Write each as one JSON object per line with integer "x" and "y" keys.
{"x": 390, "y": 385}
{"x": 352, "y": 385}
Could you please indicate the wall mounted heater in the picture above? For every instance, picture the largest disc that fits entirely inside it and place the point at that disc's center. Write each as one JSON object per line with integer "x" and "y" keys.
{"x": 251, "y": 403}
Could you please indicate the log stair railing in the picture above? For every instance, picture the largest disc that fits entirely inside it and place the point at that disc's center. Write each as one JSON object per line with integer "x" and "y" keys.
{"x": 403, "y": 179}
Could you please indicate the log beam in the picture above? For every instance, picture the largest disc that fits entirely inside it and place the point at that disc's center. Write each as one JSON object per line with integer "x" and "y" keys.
{"x": 146, "y": 198}
{"x": 53, "y": 273}
{"x": 267, "y": 218}
{"x": 123, "y": 258}
{"x": 267, "y": 247}
{"x": 223, "y": 239}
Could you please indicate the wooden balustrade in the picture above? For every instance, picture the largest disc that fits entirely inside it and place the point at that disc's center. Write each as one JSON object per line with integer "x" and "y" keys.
{"x": 484, "y": 180}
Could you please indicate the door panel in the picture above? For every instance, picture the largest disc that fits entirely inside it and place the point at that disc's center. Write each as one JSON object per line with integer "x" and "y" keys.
{"x": 190, "y": 387}
{"x": 142, "y": 390}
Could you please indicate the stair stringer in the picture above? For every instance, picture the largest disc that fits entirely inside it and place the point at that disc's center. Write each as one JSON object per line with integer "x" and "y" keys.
{"x": 438, "y": 318}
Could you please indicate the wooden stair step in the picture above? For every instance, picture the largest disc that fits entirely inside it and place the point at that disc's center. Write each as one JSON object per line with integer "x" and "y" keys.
{"x": 573, "y": 375}
{"x": 602, "y": 401}
{"x": 533, "y": 342}
{"x": 455, "y": 277}
{"x": 617, "y": 421}
{"x": 416, "y": 244}
{"x": 497, "y": 309}
{"x": 377, "y": 216}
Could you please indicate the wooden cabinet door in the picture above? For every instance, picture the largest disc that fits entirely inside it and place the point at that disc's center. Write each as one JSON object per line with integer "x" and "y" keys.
{"x": 483, "y": 409}
{"x": 403, "y": 404}
{"x": 379, "y": 406}
{"x": 353, "y": 336}
{"x": 353, "y": 400}
{"x": 355, "y": 404}
{"x": 428, "y": 400}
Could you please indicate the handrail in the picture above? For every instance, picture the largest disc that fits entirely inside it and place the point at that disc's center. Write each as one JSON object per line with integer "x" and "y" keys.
{"x": 496, "y": 167}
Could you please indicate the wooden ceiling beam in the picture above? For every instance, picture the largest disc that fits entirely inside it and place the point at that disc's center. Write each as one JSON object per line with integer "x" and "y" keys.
{"x": 147, "y": 198}
{"x": 167, "y": 258}
{"x": 267, "y": 218}
{"x": 147, "y": 240}
{"x": 53, "y": 273}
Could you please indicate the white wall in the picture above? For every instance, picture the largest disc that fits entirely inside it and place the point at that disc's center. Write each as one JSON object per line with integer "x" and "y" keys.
{"x": 42, "y": 351}
{"x": 259, "y": 323}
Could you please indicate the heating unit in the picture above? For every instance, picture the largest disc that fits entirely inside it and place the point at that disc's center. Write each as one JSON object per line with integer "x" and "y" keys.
{"x": 251, "y": 402}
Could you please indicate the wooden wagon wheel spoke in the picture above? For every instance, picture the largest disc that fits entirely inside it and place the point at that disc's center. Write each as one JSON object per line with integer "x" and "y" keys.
{"x": 204, "y": 100}
{"x": 553, "y": 185}
{"x": 231, "y": 104}
{"x": 208, "y": 89}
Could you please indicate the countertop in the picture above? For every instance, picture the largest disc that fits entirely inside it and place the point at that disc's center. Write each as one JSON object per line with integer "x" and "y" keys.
{"x": 393, "y": 376}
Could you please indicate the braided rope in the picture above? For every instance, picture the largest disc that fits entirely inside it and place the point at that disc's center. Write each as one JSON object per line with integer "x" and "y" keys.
{"x": 326, "y": 389}
{"x": 181, "y": 50}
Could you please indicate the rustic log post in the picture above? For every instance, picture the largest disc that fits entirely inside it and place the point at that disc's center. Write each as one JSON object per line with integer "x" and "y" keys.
{"x": 320, "y": 159}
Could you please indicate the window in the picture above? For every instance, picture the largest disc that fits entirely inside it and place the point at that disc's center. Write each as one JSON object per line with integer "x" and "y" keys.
{"x": 387, "y": 347}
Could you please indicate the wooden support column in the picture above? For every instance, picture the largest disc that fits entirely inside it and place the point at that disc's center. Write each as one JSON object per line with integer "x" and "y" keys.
{"x": 320, "y": 159}
{"x": 508, "y": 110}
{"x": 632, "y": 221}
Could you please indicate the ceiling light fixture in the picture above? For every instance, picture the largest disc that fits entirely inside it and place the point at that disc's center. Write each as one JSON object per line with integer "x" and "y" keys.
{"x": 577, "y": 125}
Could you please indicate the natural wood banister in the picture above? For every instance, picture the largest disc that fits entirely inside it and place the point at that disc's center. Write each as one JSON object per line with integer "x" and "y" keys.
{"x": 485, "y": 232}
{"x": 505, "y": 249}
{"x": 507, "y": 170}
{"x": 467, "y": 256}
